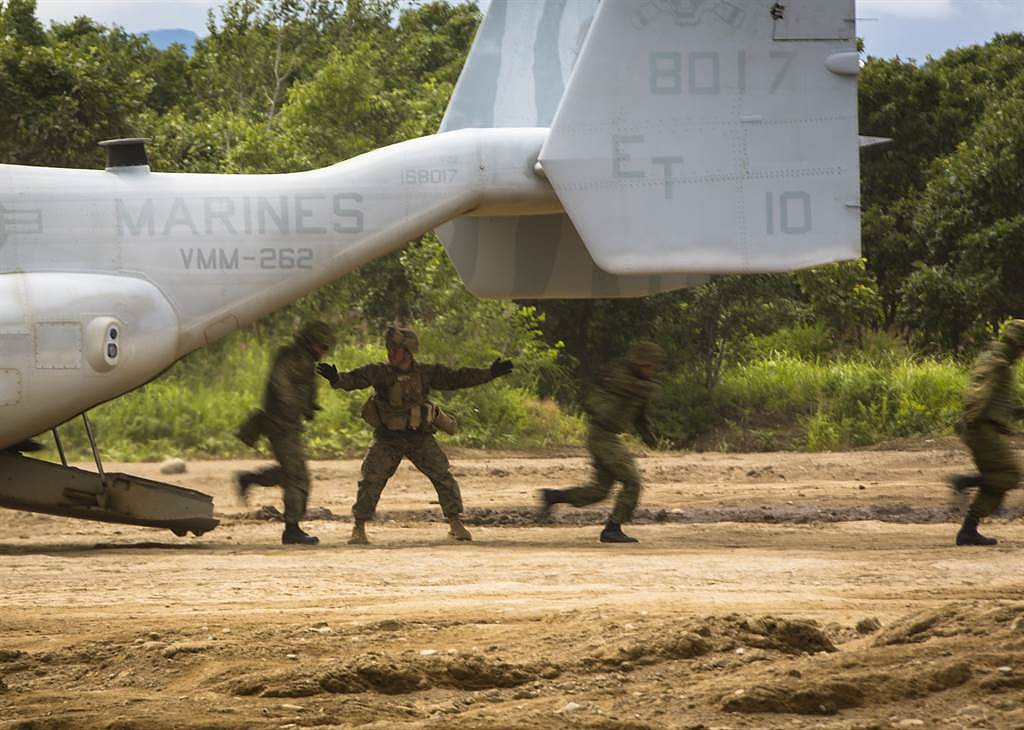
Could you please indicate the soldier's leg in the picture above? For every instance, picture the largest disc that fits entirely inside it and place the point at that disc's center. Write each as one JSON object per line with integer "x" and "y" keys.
{"x": 271, "y": 476}
{"x": 426, "y": 455}
{"x": 290, "y": 452}
{"x": 293, "y": 476}
{"x": 999, "y": 473}
{"x": 249, "y": 432}
{"x": 624, "y": 470}
{"x": 379, "y": 464}
{"x": 595, "y": 490}
{"x": 998, "y": 467}
{"x": 606, "y": 449}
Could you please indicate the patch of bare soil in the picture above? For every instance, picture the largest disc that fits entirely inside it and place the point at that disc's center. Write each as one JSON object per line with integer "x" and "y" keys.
{"x": 768, "y": 591}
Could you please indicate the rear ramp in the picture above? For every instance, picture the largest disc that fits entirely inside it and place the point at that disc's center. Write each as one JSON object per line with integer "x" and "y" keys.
{"x": 40, "y": 486}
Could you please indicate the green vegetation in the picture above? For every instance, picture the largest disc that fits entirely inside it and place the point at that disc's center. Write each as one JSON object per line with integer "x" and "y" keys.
{"x": 843, "y": 355}
{"x": 195, "y": 409}
{"x": 793, "y": 392}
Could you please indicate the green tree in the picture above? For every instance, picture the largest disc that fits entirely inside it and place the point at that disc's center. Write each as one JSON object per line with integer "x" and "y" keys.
{"x": 939, "y": 309}
{"x": 18, "y": 23}
{"x": 843, "y": 296}
{"x": 84, "y": 83}
{"x": 719, "y": 315}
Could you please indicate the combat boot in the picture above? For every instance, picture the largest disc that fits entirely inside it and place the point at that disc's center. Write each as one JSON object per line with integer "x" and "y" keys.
{"x": 458, "y": 531}
{"x": 612, "y": 532}
{"x": 548, "y": 499}
{"x": 358, "y": 534}
{"x": 295, "y": 535}
{"x": 243, "y": 480}
{"x": 969, "y": 534}
{"x": 962, "y": 482}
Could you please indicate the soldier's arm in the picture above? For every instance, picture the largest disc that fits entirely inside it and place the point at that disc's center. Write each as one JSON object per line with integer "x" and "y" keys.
{"x": 309, "y": 386}
{"x": 441, "y": 377}
{"x": 645, "y": 429}
{"x": 366, "y": 376}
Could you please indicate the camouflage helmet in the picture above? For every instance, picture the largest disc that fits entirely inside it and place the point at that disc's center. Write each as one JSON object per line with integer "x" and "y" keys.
{"x": 1013, "y": 333}
{"x": 646, "y": 352}
{"x": 396, "y": 336}
{"x": 316, "y": 334}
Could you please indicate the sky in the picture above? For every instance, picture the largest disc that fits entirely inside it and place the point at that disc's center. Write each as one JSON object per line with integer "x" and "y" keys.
{"x": 905, "y": 28}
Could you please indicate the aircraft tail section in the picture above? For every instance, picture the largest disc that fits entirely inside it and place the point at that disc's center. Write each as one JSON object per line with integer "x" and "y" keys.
{"x": 515, "y": 76}
{"x": 712, "y": 136}
{"x": 687, "y": 137}
{"x": 519, "y": 64}
{"x": 540, "y": 257}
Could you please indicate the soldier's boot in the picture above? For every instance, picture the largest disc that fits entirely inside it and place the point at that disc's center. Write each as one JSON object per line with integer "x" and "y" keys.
{"x": 548, "y": 499}
{"x": 295, "y": 535}
{"x": 612, "y": 532}
{"x": 969, "y": 534}
{"x": 962, "y": 482}
{"x": 457, "y": 530}
{"x": 358, "y": 534}
{"x": 243, "y": 480}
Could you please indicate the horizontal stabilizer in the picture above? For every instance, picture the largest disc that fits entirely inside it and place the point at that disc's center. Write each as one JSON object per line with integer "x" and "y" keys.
{"x": 711, "y": 136}
{"x": 866, "y": 141}
{"x": 540, "y": 257}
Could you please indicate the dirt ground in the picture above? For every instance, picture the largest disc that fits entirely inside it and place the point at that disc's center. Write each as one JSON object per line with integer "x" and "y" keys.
{"x": 768, "y": 591}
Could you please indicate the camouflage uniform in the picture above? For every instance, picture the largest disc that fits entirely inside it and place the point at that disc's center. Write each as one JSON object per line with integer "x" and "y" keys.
{"x": 990, "y": 409}
{"x": 403, "y": 420}
{"x": 621, "y": 400}
{"x": 288, "y": 400}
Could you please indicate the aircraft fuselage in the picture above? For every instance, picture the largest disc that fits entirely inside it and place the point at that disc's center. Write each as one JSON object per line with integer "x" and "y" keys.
{"x": 109, "y": 276}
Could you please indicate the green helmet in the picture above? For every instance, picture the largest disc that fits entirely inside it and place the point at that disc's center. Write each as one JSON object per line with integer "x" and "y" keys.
{"x": 1013, "y": 333}
{"x": 396, "y": 336}
{"x": 645, "y": 352}
{"x": 316, "y": 334}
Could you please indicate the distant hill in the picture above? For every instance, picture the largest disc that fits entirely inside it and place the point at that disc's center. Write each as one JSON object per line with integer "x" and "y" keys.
{"x": 166, "y": 36}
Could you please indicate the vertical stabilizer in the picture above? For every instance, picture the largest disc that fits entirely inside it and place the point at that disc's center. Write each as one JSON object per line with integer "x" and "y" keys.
{"x": 520, "y": 61}
{"x": 712, "y": 136}
{"x": 515, "y": 76}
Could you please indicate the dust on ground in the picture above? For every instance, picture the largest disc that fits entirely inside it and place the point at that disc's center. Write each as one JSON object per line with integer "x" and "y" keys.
{"x": 769, "y": 590}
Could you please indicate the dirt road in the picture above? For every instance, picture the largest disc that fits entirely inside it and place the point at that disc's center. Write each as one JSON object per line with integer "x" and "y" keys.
{"x": 769, "y": 591}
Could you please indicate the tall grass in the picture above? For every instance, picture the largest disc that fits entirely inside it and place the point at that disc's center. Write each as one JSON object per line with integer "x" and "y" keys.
{"x": 196, "y": 407}
{"x": 847, "y": 403}
{"x": 790, "y": 391}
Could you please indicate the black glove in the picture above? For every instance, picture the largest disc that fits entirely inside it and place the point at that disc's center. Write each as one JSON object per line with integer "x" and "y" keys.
{"x": 500, "y": 367}
{"x": 328, "y": 372}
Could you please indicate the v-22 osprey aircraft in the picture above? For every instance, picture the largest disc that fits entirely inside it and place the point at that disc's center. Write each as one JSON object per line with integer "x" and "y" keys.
{"x": 591, "y": 148}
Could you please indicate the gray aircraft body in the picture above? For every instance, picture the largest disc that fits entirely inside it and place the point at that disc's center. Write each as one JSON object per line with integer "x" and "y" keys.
{"x": 591, "y": 149}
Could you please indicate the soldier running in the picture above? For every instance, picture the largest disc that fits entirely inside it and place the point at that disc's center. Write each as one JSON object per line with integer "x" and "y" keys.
{"x": 289, "y": 398}
{"x": 620, "y": 400}
{"x": 405, "y": 421}
{"x": 990, "y": 409}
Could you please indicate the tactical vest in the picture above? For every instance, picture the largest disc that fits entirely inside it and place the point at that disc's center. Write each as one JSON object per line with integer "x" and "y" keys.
{"x": 403, "y": 407}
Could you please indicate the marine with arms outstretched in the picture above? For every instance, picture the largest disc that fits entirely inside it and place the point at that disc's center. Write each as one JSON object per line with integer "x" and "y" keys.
{"x": 405, "y": 421}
